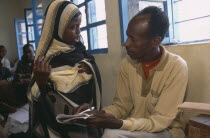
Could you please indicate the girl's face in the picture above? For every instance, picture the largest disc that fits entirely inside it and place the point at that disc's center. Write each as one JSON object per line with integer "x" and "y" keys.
{"x": 72, "y": 33}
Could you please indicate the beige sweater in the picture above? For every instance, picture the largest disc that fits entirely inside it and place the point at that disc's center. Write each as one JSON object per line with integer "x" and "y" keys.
{"x": 151, "y": 105}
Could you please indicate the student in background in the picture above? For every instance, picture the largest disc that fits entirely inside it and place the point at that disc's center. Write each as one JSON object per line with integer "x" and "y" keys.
{"x": 25, "y": 65}
{"x": 5, "y": 73}
{"x": 5, "y": 62}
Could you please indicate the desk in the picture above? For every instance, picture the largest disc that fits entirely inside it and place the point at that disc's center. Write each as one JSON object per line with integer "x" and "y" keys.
{"x": 199, "y": 127}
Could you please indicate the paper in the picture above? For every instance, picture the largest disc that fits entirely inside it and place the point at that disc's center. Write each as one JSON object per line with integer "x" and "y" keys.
{"x": 62, "y": 118}
{"x": 18, "y": 122}
{"x": 20, "y": 115}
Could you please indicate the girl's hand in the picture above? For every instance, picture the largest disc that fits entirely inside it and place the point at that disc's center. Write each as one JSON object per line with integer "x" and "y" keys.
{"x": 41, "y": 71}
{"x": 84, "y": 68}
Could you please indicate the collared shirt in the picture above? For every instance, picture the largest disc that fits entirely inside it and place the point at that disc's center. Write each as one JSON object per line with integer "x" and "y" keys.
{"x": 151, "y": 104}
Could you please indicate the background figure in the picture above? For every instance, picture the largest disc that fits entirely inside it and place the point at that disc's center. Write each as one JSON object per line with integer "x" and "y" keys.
{"x": 5, "y": 73}
{"x": 65, "y": 76}
{"x": 25, "y": 65}
{"x": 5, "y": 62}
{"x": 13, "y": 90}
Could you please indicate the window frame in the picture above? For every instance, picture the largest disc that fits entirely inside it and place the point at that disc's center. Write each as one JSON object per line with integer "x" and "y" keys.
{"x": 89, "y": 26}
{"x": 29, "y": 25}
{"x": 19, "y": 46}
{"x": 35, "y": 19}
{"x": 184, "y": 42}
{"x": 124, "y": 20}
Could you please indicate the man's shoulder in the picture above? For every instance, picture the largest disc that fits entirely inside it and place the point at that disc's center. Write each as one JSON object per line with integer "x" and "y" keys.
{"x": 177, "y": 59}
{"x": 128, "y": 61}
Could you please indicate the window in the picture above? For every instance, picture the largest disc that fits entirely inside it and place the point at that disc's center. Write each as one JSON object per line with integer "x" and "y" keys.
{"x": 20, "y": 35}
{"x": 29, "y": 26}
{"x": 38, "y": 18}
{"x": 93, "y": 26}
{"x": 189, "y": 19}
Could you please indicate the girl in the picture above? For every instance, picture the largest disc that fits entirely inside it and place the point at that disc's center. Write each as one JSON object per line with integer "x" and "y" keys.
{"x": 64, "y": 75}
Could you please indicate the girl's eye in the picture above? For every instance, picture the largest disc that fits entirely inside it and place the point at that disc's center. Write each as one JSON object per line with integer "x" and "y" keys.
{"x": 134, "y": 40}
{"x": 74, "y": 27}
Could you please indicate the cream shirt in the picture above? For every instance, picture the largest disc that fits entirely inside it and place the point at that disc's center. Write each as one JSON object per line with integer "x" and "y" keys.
{"x": 151, "y": 105}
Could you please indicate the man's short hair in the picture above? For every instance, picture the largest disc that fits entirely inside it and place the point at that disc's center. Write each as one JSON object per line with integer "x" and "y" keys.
{"x": 159, "y": 22}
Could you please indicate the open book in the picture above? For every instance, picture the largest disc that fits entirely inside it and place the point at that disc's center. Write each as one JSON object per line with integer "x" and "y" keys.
{"x": 62, "y": 118}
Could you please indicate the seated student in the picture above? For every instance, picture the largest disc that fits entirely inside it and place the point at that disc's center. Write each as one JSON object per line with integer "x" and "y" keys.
{"x": 25, "y": 65}
{"x": 13, "y": 91}
{"x": 5, "y": 73}
{"x": 5, "y": 62}
{"x": 150, "y": 86}
{"x": 65, "y": 76}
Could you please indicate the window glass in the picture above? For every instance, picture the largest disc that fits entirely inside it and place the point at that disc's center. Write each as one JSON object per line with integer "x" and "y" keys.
{"x": 193, "y": 30}
{"x": 98, "y": 37}
{"x": 96, "y": 8}
{"x": 85, "y": 38}
{"x": 84, "y": 21}
{"x": 78, "y": 1}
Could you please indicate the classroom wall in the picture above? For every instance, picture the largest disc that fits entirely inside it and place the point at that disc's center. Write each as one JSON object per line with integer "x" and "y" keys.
{"x": 109, "y": 64}
{"x": 197, "y": 57}
{"x": 10, "y": 10}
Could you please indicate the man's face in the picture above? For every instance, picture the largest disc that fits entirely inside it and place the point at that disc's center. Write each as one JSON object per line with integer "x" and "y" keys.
{"x": 72, "y": 32}
{"x": 29, "y": 52}
{"x": 139, "y": 42}
{"x": 2, "y": 52}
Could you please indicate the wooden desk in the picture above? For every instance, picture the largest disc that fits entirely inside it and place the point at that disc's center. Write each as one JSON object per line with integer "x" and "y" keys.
{"x": 199, "y": 127}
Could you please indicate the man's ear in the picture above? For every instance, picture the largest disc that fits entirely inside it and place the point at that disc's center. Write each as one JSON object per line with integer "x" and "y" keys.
{"x": 156, "y": 41}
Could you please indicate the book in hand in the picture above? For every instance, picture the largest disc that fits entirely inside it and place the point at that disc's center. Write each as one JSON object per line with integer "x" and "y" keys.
{"x": 65, "y": 119}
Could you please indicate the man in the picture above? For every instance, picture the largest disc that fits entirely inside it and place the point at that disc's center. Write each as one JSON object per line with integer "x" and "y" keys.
{"x": 24, "y": 67}
{"x": 5, "y": 62}
{"x": 150, "y": 86}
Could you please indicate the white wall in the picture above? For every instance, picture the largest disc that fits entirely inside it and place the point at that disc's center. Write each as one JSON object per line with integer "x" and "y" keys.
{"x": 197, "y": 57}
{"x": 10, "y": 10}
{"x": 109, "y": 63}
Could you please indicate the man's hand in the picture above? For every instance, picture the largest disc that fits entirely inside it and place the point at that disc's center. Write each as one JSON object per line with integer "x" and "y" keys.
{"x": 104, "y": 120}
{"x": 84, "y": 68}
{"x": 101, "y": 120}
{"x": 41, "y": 71}
{"x": 81, "y": 108}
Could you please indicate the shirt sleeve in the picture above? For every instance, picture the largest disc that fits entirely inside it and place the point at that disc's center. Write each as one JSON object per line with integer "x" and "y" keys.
{"x": 119, "y": 108}
{"x": 166, "y": 109}
{"x": 7, "y": 63}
